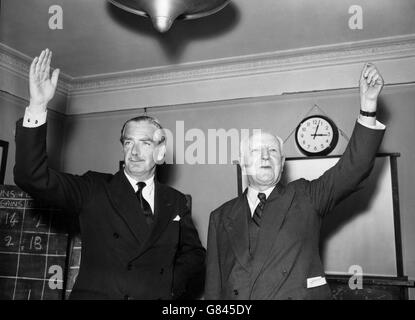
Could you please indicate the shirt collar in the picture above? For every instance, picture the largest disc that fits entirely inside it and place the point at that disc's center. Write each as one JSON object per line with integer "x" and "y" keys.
{"x": 253, "y": 193}
{"x": 149, "y": 182}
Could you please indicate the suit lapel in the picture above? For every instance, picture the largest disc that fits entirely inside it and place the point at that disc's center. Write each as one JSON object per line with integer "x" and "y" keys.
{"x": 236, "y": 225}
{"x": 276, "y": 209}
{"x": 124, "y": 200}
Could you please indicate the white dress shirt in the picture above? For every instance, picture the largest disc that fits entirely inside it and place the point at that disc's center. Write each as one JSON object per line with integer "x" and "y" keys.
{"x": 253, "y": 199}
{"x": 148, "y": 190}
{"x": 34, "y": 119}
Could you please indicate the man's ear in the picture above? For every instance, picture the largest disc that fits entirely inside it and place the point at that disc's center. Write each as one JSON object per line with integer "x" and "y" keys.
{"x": 282, "y": 163}
{"x": 242, "y": 164}
{"x": 160, "y": 153}
{"x": 122, "y": 150}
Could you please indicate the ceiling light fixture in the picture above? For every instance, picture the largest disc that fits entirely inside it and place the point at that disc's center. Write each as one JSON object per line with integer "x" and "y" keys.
{"x": 164, "y": 12}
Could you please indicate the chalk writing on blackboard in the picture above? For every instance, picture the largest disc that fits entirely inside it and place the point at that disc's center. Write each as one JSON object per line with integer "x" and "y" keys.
{"x": 33, "y": 243}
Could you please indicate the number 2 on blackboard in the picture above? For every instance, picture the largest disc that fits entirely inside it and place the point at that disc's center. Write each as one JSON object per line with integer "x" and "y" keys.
{"x": 8, "y": 240}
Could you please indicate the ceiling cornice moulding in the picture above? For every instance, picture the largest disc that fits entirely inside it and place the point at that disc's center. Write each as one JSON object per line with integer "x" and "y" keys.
{"x": 377, "y": 49}
{"x": 305, "y": 58}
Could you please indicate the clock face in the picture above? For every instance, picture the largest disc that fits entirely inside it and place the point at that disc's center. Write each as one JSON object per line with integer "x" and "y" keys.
{"x": 316, "y": 136}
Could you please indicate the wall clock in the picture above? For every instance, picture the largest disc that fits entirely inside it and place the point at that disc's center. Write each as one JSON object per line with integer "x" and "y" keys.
{"x": 316, "y": 136}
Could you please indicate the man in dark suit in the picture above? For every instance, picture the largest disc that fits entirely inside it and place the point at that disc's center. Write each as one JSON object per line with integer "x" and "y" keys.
{"x": 264, "y": 244}
{"x": 138, "y": 238}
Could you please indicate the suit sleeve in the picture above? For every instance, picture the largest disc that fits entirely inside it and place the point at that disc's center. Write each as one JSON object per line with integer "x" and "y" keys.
{"x": 353, "y": 167}
{"x": 33, "y": 175}
{"x": 189, "y": 268}
{"x": 213, "y": 281}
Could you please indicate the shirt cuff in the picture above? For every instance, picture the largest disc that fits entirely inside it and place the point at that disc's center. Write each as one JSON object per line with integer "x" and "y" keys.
{"x": 377, "y": 126}
{"x": 34, "y": 119}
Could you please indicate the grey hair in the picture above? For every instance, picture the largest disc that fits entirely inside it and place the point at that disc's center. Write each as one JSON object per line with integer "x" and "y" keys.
{"x": 155, "y": 122}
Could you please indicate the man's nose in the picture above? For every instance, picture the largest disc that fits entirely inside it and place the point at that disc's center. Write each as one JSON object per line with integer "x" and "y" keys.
{"x": 264, "y": 153}
{"x": 135, "y": 150}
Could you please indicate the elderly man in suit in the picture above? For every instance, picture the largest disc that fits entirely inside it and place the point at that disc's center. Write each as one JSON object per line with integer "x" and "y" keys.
{"x": 138, "y": 238}
{"x": 264, "y": 244}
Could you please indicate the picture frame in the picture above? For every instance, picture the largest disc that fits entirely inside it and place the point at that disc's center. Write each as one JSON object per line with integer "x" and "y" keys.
{"x": 4, "y": 148}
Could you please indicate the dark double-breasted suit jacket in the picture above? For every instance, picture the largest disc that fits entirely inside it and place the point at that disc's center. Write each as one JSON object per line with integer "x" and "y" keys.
{"x": 122, "y": 257}
{"x": 287, "y": 251}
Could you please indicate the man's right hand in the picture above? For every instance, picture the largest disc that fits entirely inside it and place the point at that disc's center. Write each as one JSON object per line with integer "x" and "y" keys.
{"x": 41, "y": 85}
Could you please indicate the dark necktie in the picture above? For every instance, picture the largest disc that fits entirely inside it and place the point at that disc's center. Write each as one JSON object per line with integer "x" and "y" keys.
{"x": 259, "y": 209}
{"x": 145, "y": 206}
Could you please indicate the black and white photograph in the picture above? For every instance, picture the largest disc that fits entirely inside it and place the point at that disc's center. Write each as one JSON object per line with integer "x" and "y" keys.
{"x": 205, "y": 151}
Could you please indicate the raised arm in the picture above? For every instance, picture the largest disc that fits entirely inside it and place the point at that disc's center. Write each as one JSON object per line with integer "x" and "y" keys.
{"x": 358, "y": 159}
{"x": 31, "y": 171}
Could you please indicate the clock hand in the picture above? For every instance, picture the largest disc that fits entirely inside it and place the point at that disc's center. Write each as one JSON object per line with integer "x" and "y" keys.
{"x": 315, "y": 133}
{"x": 319, "y": 135}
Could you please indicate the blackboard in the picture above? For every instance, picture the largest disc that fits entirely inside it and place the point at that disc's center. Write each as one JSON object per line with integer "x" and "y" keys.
{"x": 33, "y": 246}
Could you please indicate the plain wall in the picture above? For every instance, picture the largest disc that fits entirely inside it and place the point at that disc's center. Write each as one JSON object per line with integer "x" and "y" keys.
{"x": 92, "y": 143}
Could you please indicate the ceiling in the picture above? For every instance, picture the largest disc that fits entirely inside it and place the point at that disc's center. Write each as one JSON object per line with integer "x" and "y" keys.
{"x": 99, "y": 38}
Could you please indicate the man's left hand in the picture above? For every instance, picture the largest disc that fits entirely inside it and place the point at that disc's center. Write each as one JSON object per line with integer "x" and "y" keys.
{"x": 371, "y": 83}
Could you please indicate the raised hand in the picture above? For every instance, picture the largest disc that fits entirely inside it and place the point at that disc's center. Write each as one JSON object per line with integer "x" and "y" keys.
{"x": 371, "y": 83}
{"x": 42, "y": 86}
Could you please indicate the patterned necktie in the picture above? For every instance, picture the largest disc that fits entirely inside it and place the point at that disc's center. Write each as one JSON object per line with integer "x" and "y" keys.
{"x": 259, "y": 209}
{"x": 145, "y": 206}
